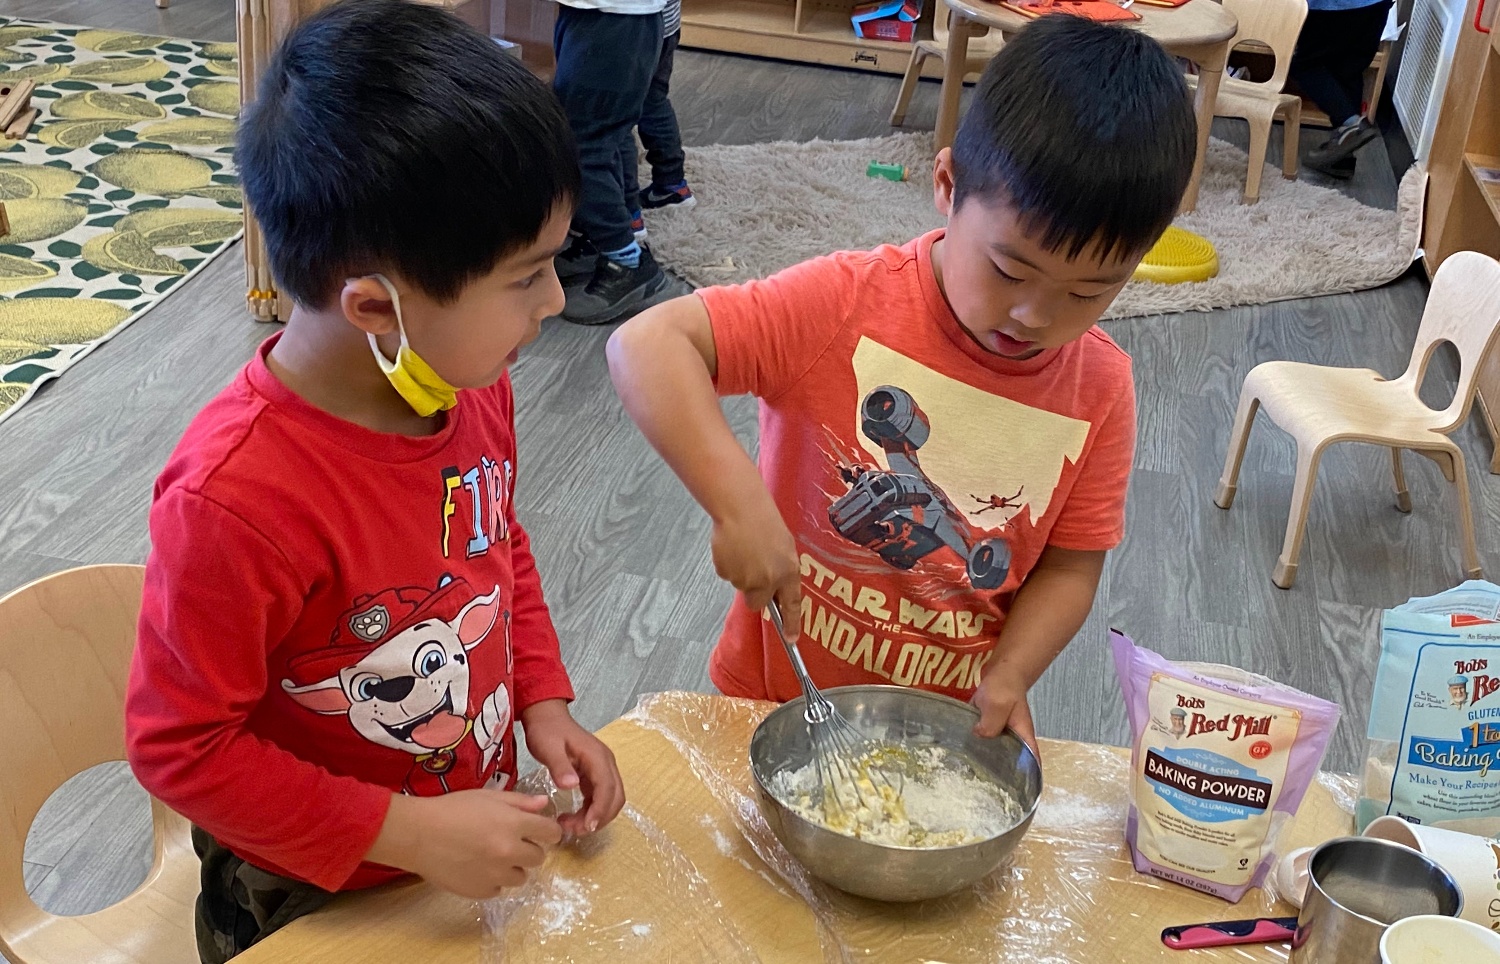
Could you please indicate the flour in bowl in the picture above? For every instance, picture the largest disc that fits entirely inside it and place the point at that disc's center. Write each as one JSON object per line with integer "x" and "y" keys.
{"x": 944, "y": 800}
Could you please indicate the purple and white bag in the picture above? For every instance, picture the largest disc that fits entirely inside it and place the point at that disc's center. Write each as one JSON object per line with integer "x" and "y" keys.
{"x": 1220, "y": 760}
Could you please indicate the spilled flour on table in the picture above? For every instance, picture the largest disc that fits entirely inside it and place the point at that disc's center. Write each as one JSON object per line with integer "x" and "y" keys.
{"x": 564, "y": 904}
{"x": 721, "y": 839}
{"x": 1064, "y": 809}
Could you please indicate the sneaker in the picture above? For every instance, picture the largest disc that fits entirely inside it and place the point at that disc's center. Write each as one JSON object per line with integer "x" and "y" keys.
{"x": 616, "y": 291}
{"x": 657, "y": 196}
{"x": 638, "y": 225}
{"x": 1339, "y": 170}
{"x": 576, "y": 263}
{"x": 1342, "y": 144}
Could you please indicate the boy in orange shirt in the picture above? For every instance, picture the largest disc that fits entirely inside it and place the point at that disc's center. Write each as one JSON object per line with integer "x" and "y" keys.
{"x": 945, "y": 436}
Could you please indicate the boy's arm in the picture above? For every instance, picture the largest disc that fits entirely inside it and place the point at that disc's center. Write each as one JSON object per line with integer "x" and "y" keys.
{"x": 572, "y": 755}
{"x": 218, "y": 594}
{"x": 539, "y": 672}
{"x": 1047, "y": 612}
{"x": 664, "y": 363}
{"x": 1053, "y": 602}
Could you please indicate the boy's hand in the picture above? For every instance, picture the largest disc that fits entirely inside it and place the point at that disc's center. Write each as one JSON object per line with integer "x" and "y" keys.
{"x": 754, "y": 552}
{"x": 473, "y": 843}
{"x": 575, "y": 758}
{"x": 1002, "y": 703}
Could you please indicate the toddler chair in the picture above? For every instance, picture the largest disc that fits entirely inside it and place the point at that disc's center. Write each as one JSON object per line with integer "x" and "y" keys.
{"x": 65, "y": 645}
{"x": 1272, "y": 24}
{"x": 982, "y": 46}
{"x": 1318, "y": 405}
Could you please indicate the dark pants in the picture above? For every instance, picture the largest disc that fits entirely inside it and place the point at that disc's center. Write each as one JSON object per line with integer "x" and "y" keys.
{"x": 1333, "y": 50}
{"x": 659, "y": 132}
{"x": 604, "y": 67}
{"x": 239, "y": 903}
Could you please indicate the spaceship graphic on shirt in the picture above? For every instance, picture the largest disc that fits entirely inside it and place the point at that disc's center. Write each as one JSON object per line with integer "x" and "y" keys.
{"x": 397, "y": 666}
{"x": 902, "y": 514}
{"x": 988, "y": 464}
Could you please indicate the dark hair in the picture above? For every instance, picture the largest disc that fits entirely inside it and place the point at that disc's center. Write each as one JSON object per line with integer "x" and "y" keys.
{"x": 1087, "y": 129}
{"x": 388, "y": 134}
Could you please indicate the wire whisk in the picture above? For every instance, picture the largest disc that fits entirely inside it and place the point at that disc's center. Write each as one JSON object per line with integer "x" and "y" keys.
{"x": 846, "y": 760}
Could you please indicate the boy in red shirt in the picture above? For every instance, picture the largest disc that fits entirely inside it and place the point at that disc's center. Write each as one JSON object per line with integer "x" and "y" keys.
{"x": 342, "y": 617}
{"x": 945, "y": 436}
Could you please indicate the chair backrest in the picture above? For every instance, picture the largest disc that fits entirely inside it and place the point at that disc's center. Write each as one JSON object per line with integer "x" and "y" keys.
{"x": 1275, "y": 23}
{"x": 1463, "y": 309}
{"x": 940, "y": 26}
{"x": 65, "y": 648}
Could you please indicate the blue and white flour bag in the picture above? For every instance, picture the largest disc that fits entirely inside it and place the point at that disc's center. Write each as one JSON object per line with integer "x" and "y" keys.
{"x": 1433, "y": 755}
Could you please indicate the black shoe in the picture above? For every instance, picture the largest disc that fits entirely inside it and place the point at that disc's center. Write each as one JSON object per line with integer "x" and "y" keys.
{"x": 657, "y": 196}
{"x": 575, "y": 266}
{"x": 617, "y": 291}
{"x": 1342, "y": 144}
{"x": 1340, "y": 170}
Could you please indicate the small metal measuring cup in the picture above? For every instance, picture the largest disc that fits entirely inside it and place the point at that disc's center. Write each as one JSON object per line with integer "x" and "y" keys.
{"x": 1359, "y": 886}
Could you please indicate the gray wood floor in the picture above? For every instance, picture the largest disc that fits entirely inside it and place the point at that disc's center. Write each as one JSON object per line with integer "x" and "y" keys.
{"x": 624, "y": 552}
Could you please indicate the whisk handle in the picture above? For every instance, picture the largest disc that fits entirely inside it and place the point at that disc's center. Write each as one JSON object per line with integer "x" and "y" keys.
{"x": 809, "y": 691}
{"x": 773, "y": 609}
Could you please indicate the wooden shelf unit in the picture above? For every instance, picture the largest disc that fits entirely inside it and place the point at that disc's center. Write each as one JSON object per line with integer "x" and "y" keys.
{"x": 1485, "y": 170}
{"x": 1463, "y": 211}
{"x": 811, "y": 31}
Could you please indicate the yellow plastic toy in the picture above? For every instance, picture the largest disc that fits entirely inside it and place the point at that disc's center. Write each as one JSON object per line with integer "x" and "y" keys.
{"x": 1179, "y": 256}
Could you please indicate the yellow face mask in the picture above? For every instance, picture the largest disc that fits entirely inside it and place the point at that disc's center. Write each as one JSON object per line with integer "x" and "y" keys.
{"x": 422, "y": 388}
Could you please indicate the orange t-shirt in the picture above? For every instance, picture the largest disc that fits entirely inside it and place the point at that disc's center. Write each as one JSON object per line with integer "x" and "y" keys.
{"x": 920, "y": 474}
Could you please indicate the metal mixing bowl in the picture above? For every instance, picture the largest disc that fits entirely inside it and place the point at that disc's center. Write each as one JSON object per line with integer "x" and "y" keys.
{"x": 910, "y": 717}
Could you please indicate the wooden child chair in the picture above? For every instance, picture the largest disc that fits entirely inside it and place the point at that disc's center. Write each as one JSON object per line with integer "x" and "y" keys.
{"x": 1272, "y": 24}
{"x": 65, "y": 646}
{"x": 982, "y": 46}
{"x": 1318, "y": 405}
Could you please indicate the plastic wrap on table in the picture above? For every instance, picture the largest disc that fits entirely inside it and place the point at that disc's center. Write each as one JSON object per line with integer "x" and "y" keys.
{"x": 570, "y": 913}
{"x": 1068, "y": 894}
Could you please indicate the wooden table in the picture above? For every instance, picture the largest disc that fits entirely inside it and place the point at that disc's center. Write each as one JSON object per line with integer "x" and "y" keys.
{"x": 1067, "y": 879}
{"x": 1200, "y": 30}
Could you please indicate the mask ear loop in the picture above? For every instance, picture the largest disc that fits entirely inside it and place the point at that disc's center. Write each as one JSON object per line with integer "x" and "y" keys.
{"x": 387, "y": 365}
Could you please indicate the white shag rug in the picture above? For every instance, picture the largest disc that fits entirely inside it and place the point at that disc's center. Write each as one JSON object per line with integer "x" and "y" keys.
{"x": 763, "y": 207}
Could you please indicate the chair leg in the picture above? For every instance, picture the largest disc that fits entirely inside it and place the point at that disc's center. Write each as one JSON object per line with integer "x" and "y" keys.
{"x": 162, "y": 4}
{"x": 1472, "y": 569}
{"x": 1403, "y": 497}
{"x": 1285, "y": 573}
{"x": 1244, "y": 418}
{"x": 1291, "y": 138}
{"x": 908, "y": 85}
{"x": 1260, "y": 137}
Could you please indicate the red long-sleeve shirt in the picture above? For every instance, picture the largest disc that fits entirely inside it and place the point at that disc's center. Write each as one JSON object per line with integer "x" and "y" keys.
{"x": 332, "y": 614}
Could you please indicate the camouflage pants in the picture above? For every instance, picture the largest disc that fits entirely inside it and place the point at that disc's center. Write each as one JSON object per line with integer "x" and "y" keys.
{"x": 239, "y": 903}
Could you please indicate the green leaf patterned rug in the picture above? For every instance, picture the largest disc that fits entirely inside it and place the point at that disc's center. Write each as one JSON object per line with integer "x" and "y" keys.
{"x": 124, "y": 187}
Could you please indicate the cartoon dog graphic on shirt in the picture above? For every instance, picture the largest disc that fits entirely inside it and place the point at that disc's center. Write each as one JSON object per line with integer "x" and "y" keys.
{"x": 398, "y": 666}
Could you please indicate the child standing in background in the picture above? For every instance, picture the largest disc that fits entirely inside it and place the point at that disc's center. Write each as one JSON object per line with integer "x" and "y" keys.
{"x": 607, "y": 51}
{"x": 1337, "y": 43}
{"x": 659, "y": 132}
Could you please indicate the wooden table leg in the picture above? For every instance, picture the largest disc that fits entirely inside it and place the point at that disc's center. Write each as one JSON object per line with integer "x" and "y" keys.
{"x": 956, "y": 60}
{"x": 1210, "y": 61}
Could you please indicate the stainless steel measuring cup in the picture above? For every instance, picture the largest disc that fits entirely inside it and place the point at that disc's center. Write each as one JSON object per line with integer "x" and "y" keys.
{"x": 1359, "y": 886}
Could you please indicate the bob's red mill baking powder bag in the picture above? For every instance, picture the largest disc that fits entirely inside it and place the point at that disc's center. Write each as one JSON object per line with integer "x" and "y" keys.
{"x": 1220, "y": 759}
